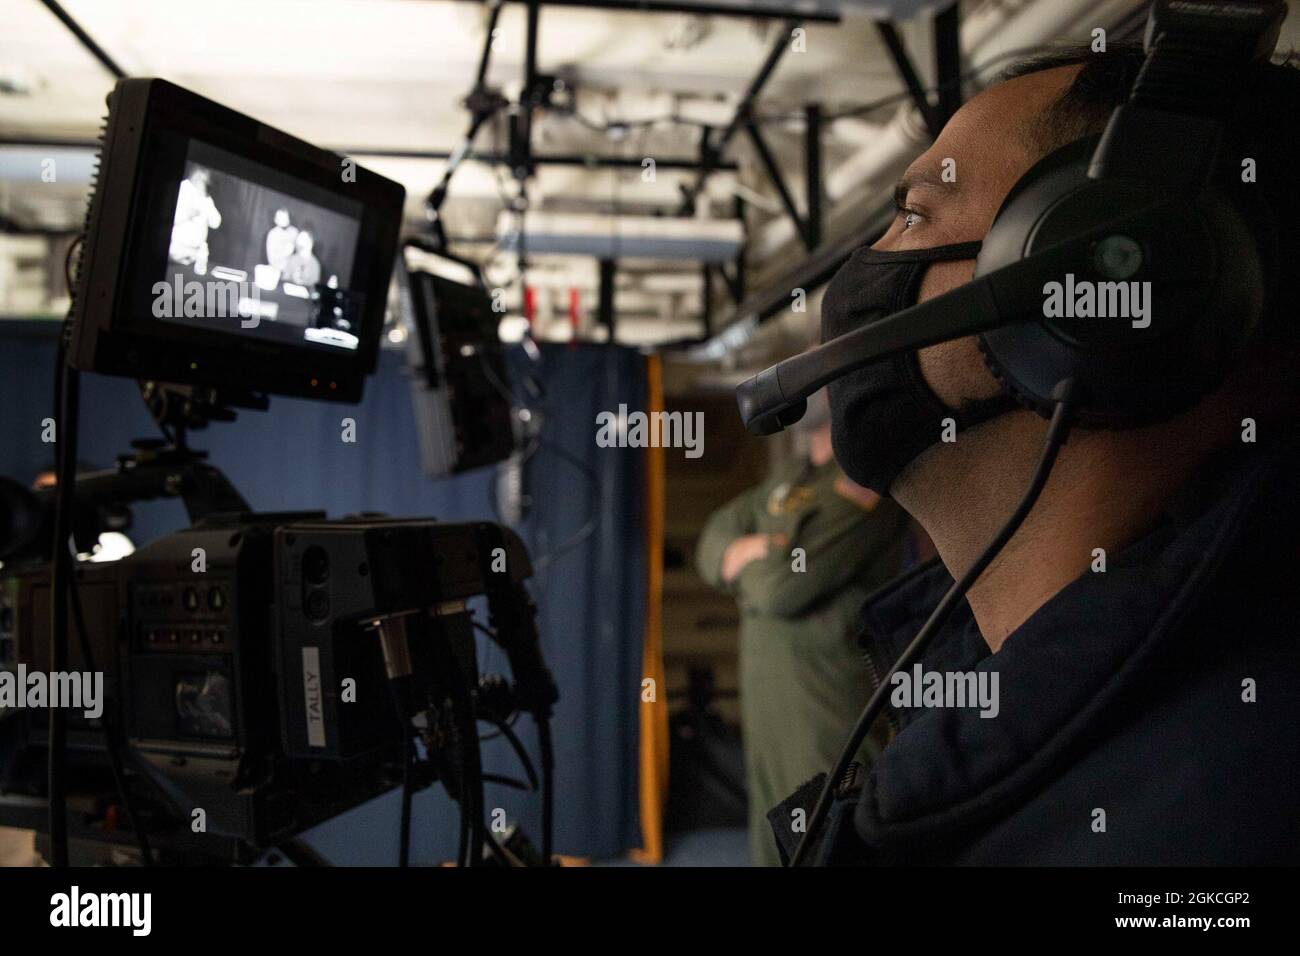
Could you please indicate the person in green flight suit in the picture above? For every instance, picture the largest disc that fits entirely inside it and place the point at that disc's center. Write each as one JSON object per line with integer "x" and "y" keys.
{"x": 800, "y": 552}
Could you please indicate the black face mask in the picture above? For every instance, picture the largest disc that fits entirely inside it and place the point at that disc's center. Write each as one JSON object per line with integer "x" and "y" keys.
{"x": 884, "y": 415}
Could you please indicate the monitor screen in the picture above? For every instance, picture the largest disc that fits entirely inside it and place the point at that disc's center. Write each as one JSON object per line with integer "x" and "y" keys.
{"x": 246, "y": 256}
{"x": 223, "y": 252}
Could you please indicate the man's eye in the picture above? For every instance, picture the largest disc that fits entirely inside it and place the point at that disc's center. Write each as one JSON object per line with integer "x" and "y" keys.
{"x": 910, "y": 218}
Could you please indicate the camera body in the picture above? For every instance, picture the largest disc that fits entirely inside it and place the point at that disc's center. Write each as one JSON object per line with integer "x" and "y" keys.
{"x": 243, "y": 661}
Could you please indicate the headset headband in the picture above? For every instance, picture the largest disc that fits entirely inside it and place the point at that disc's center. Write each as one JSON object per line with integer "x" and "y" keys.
{"x": 1197, "y": 56}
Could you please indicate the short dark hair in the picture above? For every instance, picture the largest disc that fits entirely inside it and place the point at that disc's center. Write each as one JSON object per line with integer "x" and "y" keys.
{"x": 1264, "y": 126}
{"x": 1102, "y": 83}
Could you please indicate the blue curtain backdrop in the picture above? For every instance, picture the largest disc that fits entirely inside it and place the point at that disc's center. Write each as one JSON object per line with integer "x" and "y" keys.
{"x": 590, "y": 592}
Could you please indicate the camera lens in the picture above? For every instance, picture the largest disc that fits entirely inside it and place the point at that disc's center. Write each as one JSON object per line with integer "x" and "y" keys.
{"x": 318, "y": 605}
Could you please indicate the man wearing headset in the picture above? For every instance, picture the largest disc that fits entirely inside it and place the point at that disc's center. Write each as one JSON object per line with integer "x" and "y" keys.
{"x": 1143, "y": 620}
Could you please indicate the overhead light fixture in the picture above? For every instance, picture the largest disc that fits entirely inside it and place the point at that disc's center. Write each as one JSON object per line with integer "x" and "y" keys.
{"x": 617, "y": 237}
{"x": 17, "y": 81}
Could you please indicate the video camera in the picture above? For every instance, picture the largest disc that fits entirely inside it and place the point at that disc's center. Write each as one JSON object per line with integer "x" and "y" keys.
{"x": 262, "y": 672}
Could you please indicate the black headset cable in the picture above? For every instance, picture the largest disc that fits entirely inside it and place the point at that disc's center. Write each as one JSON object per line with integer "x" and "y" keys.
{"x": 1065, "y": 396}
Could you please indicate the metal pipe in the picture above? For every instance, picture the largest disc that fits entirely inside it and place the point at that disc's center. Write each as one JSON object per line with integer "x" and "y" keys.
{"x": 482, "y": 108}
{"x": 774, "y": 174}
{"x": 383, "y": 152}
{"x": 770, "y": 11}
{"x": 947, "y": 61}
{"x": 521, "y": 121}
{"x": 743, "y": 114}
{"x": 606, "y": 300}
{"x": 812, "y": 137}
{"x": 756, "y": 85}
{"x": 907, "y": 73}
{"x": 86, "y": 39}
{"x": 494, "y": 14}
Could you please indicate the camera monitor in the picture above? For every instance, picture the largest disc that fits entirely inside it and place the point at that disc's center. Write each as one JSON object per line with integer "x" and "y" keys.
{"x": 224, "y": 253}
{"x": 460, "y": 389}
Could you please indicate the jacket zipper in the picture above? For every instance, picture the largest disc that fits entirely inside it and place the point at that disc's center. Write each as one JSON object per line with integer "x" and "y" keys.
{"x": 850, "y": 782}
{"x": 890, "y": 717}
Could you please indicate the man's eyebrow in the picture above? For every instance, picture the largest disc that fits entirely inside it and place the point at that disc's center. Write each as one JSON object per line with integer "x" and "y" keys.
{"x": 924, "y": 177}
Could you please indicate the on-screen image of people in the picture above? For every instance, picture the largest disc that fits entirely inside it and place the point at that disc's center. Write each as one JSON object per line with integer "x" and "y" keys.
{"x": 280, "y": 240}
{"x": 302, "y": 267}
{"x": 196, "y": 213}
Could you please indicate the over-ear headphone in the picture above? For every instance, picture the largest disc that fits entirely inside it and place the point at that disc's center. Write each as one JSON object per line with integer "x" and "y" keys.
{"x": 1204, "y": 297}
{"x": 1130, "y": 217}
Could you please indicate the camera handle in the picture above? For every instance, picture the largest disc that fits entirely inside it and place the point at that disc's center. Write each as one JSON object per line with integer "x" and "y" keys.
{"x": 170, "y": 468}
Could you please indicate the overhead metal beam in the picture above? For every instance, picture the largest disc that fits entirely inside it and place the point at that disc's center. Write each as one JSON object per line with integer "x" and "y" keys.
{"x": 907, "y": 72}
{"x": 483, "y": 105}
{"x": 706, "y": 298}
{"x": 521, "y": 142}
{"x": 764, "y": 11}
{"x": 605, "y": 311}
{"x": 736, "y": 281}
{"x": 708, "y": 160}
{"x": 582, "y": 159}
{"x": 85, "y": 38}
{"x": 679, "y": 163}
{"x": 774, "y": 174}
{"x": 711, "y": 150}
{"x": 947, "y": 62}
{"x": 812, "y": 136}
{"x": 746, "y": 106}
{"x": 494, "y": 14}
{"x": 530, "y": 44}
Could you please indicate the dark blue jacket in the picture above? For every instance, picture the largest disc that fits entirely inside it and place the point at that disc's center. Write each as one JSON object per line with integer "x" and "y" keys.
{"x": 1128, "y": 692}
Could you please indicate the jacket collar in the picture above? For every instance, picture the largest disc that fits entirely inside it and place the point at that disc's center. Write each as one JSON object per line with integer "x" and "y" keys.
{"x": 949, "y": 769}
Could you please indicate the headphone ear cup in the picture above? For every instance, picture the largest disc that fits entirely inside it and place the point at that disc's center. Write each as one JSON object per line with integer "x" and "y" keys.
{"x": 1140, "y": 348}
